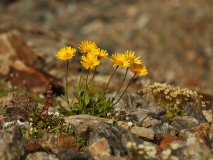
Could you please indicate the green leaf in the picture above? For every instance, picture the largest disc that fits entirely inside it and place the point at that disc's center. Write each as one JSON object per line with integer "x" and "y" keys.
{"x": 65, "y": 99}
{"x": 63, "y": 110}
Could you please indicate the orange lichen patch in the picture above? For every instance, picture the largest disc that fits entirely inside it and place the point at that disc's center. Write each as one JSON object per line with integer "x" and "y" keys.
{"x": 1, "y": 119}
{"x": 168, "y": 139}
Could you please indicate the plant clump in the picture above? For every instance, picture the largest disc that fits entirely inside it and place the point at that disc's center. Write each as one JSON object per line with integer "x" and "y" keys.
{"x": 173, "y": 98}
{"x": 92, "y": 55}
{"x": 42, "y": 121}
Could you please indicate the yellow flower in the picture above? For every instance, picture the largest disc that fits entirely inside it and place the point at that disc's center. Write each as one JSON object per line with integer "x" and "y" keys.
{"x": 100, "y": 53}
{"x": 130, "y": 55}
{"x": 89, "y": 61}
{"x": 138, "y": 69}
{"x": 66, "y": 53}
{"x": 119, "y": 60}
{"x": 87, "y": 46}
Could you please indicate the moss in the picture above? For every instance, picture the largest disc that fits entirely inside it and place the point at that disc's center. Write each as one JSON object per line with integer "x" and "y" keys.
{"x": 41, "y": 123}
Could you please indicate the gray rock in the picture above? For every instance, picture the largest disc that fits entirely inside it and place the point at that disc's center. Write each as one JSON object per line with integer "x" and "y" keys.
{"x": 12, "y": 144}
{"x": 69, "y": 154}
{"x": 144, "y": 117}
{"x": 162, "y": 128}
{"x": 18, "y": 106}
{"x": 153, "y": 108}
{"x": 184, "y": 122}
{"x": 195, "y": 111}
{"x": 140, "y": 115}
{"x": 117, "y": 137}
{"x": 84, "y": 124}
{"x": 128, "y": 101}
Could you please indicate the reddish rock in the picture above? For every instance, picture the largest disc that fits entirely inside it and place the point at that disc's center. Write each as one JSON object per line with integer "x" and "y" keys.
{"x": 1, "y": 119}
{"x": 66, "y": 141}
{"x": 30, "y": 77}
{"x": 16, "y": 59}
{"x": 57, "y": 142}
{"x": 100, "y": 149}
{"x": 13, "y": 47}
{"x": 33, "y": 146}
{"x": 168, "y": 139}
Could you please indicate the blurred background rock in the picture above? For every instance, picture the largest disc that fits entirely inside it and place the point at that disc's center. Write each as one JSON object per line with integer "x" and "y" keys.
{"x": 174, "y": 38}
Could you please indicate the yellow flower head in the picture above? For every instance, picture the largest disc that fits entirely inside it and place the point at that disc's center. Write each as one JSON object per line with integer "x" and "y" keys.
{"x": 66, "y": 53}
{"x": 138, "y": 69}
{"x": 119, "y": 60}
{"x": 87, "y": 46}
{"x": 89, "y": 61}
{"x": 130, "y": 55}
{"x": 100, "y": 53}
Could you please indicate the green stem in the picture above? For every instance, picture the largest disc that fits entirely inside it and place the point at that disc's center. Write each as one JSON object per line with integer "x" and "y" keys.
{"x": 110, "y": 79}
{"x": 67, "y": 81}
{"x": 121, "y": 85}
{"x": 93, "y": 74}
{"x": 87, "y": 77}
{"x": 124, "y": 91}
{"x": 79, "y": 84}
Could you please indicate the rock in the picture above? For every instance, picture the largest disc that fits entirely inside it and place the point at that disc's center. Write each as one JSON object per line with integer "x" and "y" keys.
{"x": 140, "y": 115}
{"x": 149, "y": 121}
{"x": 12, "y": 143}
{"x": 168, "y": 139}
{"x": 154, "y": 109}
{"x": 121, "y": 103}
{"x": 162, "y": 128}
{"x": 144, "y": 117}
{"x": 18, "y": 106}
{"x": 143, "y": 133}
{"x": 14, "y": 46}
{"x": 70, "y": 154}
{"x": 210, "y": 135}
{"x": 1, "y": 119}
{"x": 116, "y": 136}
{"x": 201, "y": 133}
{"x": 100, "y": 149}
{"x": 123, "y": 124}
{"x": 57, "y": 142}
{"x": 208, "y": 115}
{"x": 195, "y": 111}
{"x": 84, "y": 124}
{"x": 113, "y": 158}
{"x": 184, "y": 122}
{"x": 23, "y": 76}
{"x": 41, "y": 156}
{"x": 33, "y": 146}
{"x": 191, "y": 149}
{"x": 18, "y": 66}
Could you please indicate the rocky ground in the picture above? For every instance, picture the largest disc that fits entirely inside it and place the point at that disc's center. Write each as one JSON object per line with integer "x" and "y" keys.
{"x": 174, "y": 40}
